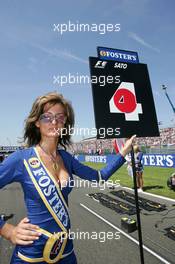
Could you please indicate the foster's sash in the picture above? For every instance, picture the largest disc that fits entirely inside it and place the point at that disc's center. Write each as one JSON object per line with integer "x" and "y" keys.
{"x": 53, "y": 199}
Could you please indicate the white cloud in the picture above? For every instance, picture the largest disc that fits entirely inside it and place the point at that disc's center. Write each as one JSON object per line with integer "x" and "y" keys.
{"x": 60, "y": 53}
{"x": 142, "y": 41}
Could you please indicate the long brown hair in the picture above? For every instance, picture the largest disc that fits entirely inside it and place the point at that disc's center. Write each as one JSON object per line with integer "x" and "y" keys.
{"x": 32, "y": 134}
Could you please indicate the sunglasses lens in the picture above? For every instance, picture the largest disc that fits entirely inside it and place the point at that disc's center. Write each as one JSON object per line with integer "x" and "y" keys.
{"x": 45, "y": 118}
{"x": 60, "y": 118}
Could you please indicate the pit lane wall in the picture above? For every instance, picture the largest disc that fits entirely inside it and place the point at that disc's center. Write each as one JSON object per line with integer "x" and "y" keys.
{"x": 156, "y": 160}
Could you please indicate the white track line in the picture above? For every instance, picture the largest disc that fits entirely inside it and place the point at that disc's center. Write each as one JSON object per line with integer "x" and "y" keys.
{"x": 125, "y": 234}
{"x": 151, "y": 194}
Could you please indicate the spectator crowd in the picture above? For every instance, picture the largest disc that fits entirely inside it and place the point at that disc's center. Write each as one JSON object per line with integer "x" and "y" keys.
{"x": 106, "y": 146}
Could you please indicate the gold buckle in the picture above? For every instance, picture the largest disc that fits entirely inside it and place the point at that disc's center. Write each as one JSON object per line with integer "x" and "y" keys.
{"x": 54, "y": 247}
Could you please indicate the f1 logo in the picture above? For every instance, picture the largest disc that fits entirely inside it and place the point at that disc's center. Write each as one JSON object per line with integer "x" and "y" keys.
{"x": 124, "y": 101}
{"x": 100, "y": 64}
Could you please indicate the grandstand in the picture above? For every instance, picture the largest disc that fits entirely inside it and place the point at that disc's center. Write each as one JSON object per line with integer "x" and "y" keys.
{"x": 165, "y": 143}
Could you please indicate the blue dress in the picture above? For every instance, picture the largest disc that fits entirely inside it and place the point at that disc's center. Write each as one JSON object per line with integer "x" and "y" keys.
{"x": 12, "y": 169}
{"x": 138, "y": 161}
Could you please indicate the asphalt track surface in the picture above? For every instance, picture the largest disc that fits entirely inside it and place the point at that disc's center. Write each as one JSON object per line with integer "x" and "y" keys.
{"x": 88, "y": 215}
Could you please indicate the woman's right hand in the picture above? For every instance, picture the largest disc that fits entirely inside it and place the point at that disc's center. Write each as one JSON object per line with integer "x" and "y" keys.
{"x": 127, "y": 146}
{"x": 24, "y": 233}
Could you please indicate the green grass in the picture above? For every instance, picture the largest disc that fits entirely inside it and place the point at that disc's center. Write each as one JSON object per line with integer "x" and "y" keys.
{"x": 155, "y": 179}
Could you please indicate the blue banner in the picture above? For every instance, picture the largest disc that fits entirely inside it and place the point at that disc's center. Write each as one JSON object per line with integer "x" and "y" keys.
{"x": 159, "y": 160}
{"x": 10, "y": 148}
{"x": 117, "y": 55}
{"x": 156, "y": 160}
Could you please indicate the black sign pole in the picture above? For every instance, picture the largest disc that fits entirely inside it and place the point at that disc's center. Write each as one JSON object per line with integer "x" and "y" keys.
{"x": 137, "y": 207}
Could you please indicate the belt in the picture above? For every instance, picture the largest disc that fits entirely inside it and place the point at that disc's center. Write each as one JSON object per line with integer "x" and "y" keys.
{"x": 53, "y": 249}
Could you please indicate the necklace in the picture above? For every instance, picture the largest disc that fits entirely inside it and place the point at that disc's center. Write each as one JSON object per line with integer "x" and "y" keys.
{"x": 55, "y": 165}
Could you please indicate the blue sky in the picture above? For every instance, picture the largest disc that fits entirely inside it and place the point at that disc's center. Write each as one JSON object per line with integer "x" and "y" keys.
{"x": 32, "y": 53}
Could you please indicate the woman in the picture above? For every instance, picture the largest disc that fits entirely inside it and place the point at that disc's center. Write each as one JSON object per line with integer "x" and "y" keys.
{"x": 45, "y": 172}
{"x": 139, "y": 167}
